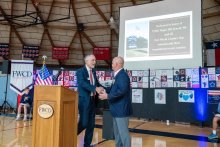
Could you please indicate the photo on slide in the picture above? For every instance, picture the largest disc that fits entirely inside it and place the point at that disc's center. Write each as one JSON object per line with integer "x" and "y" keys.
{"x": 136, "y": 38}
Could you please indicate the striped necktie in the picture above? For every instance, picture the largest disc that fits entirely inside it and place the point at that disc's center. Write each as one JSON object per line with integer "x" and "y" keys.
{"x": 91, "y": 77}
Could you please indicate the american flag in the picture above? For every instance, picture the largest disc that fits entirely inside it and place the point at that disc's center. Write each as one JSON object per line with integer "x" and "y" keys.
{"x": 44, "y": 77}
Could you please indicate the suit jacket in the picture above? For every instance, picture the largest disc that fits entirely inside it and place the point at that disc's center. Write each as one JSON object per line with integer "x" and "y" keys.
{"x": 84, "y": 86}
{"x": 119, "y": 96}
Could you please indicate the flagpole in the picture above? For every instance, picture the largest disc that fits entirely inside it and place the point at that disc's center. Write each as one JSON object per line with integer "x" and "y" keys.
{"x": 44, "y": 57}
{"x": 44, "y": 76}
{"x": 44, "y": 62}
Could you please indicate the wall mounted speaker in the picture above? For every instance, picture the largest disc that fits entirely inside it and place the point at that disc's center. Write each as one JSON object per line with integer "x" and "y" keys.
{"x": 80, "y": 27}
{"x": 6, "y": 67}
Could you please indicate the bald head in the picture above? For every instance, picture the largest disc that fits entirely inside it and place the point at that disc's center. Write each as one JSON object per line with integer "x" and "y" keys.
{"x": 119, "y": 60}
{"x": 117, "y": 63}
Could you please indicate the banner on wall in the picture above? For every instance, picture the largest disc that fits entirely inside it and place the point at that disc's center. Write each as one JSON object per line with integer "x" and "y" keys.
{"x": 30, "y": 51}
{"x": 101, "y": 53}
{"x": 4, "y": 49}
{"x": 213, "y": 96}
{"x": 21, "y": 75}
{"x": 60, "y": 53}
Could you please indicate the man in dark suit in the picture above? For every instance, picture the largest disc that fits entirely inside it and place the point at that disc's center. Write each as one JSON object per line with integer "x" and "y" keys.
{"x": 88, "y": 85}
{"x": 119, "y": 98}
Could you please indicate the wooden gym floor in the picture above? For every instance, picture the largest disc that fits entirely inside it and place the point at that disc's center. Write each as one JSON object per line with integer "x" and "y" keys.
{"x": 144, "y": 134}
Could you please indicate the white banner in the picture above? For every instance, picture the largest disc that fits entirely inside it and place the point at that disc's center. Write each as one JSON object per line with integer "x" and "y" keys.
{"x": 21, "y": 75}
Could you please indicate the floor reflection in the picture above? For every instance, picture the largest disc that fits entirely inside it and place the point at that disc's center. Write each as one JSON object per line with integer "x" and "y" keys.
{"x": 22, "y": 136}
{"x": 136, "y": 141}
{"x": 143, "y": 134}
{"x": 159, "y": 143}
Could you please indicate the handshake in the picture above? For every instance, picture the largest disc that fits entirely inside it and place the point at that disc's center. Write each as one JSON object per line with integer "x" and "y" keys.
{"x": 102, "y": 93}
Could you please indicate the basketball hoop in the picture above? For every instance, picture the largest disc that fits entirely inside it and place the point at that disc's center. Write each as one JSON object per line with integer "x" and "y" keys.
{"x": 30, "y": 17}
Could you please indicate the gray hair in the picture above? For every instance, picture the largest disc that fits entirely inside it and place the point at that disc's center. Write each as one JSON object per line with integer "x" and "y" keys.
{"x": 86, "y": 58}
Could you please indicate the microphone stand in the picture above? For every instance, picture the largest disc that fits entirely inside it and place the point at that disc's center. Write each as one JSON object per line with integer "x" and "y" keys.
{"x": 55, "y": 78}
{"x": 5, "y": 103}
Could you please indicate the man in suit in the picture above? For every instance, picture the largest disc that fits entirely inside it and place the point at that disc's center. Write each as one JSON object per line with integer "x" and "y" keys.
{"x": 88, "y": 85}
{"x": 119, "y": 98}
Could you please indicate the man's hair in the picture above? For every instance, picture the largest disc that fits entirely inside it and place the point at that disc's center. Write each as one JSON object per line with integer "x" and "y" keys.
{"x": 87, "y": 57}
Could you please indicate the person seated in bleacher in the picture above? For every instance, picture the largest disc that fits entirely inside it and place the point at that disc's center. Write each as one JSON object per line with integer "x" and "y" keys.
{"x": 26, "y": 102}
{"x": 215, "y": 121}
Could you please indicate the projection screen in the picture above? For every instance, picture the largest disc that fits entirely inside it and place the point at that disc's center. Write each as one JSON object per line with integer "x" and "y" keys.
{"x": 161, "y": 35}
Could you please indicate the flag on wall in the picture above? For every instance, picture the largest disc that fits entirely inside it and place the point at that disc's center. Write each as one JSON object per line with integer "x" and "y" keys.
{"x": 44, "y": 77}
{"x": 213, "y": 53}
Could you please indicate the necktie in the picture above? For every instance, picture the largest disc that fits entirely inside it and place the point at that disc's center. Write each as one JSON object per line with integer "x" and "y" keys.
{"x": 91, "y": 80}
{"x": 91, "y": 76}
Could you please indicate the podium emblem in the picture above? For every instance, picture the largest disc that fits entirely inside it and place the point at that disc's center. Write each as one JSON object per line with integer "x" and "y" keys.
{"x": 45, "y": 111}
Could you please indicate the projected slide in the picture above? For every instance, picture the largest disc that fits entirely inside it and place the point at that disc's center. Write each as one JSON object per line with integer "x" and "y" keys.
{"x": 161, "y": 37}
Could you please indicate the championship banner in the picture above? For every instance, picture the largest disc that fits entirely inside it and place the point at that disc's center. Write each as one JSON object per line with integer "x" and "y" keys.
{"x": 30, "y": 51}
{"x": 60, "y": 53}
{"x": 21, "y": 75}
{"x": 4, "y": 49}
{"x": 101, "y": 53}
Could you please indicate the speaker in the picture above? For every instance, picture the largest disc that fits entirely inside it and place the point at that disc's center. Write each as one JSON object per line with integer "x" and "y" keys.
{"x": 107, "y": 129}
{"x": 80, "y": 27}
{"x": 6, "y": 67}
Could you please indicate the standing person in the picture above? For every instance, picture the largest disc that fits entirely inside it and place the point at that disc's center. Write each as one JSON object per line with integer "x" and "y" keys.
{"x": 119, "y": 98}
{"x": 87, "y": 88}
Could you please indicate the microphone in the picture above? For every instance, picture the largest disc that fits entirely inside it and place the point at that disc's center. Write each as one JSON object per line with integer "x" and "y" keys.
{"x": 55, "y": 77}
{"x": 59, "y": 73}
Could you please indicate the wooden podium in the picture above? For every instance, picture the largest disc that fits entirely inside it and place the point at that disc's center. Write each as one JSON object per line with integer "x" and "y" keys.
{"x": 54, "y": 117}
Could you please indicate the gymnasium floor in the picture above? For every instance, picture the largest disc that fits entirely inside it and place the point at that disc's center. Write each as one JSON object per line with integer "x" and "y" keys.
{"x": 144, "y": 134}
